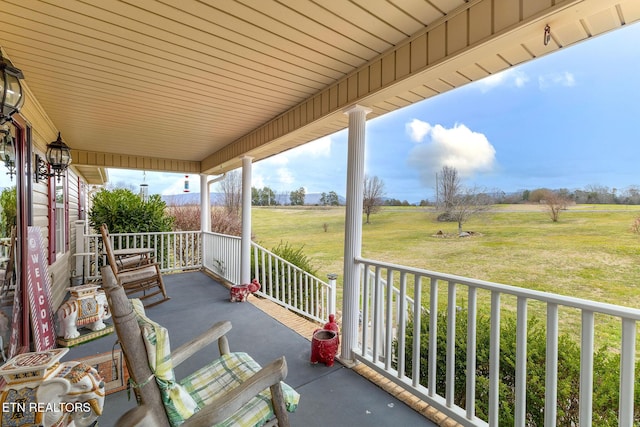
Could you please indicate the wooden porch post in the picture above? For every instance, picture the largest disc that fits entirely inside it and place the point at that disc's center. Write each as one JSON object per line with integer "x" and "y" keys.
{"x": 245, "y": 242}
{"x": 353, "y": 231}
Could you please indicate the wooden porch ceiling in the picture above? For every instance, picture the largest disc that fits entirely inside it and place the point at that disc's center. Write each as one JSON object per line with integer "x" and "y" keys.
{"x": 191, "y": 86}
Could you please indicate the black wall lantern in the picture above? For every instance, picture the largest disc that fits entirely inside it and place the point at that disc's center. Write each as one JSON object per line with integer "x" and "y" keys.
{"x": 8, "y": 150}
{"x": 58, "y": 159}
{"x": 11, "y": 96}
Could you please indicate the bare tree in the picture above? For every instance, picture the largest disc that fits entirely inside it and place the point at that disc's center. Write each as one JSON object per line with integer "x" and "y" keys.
{"x": 459, "y": 203}
{"x": 372, "y": 197}
{"x": 466, "y": 203}
{"x": 225, "y": 223}
{"x": 231, "y": 188}
{"x": 448, "y": 187}
{"x": 187, "y": 217}
{"x": 555, "y": 202}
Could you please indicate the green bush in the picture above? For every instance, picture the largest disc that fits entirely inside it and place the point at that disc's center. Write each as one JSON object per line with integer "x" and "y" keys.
{"x": 606, "y": 371}
{"x": 8, "y": 204}
{"x": 296, "y": 256}
{"x": 125, "y": 212}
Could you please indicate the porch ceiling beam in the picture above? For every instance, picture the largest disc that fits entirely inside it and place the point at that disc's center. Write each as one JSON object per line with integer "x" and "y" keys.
{"x": 123, "y": 161}
{"x": 472, "y": 42}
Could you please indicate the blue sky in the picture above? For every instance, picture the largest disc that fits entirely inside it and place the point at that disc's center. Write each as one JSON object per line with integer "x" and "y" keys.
{"x": 566, "y": 120}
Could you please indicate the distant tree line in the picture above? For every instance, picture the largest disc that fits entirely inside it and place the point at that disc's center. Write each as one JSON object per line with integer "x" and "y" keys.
{"x": 266, "y": 196}
{"x": 594, "y": 194}
{"x": 329, "y": 199}
{"x": 396, "y": 202}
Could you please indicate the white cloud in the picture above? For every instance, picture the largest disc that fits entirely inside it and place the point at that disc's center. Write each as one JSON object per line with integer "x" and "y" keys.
{"x": 318, "y": 148}
{"x": 510, "y": 76}
{"x": 459, "y": 147}
{"x": 285, "y": 176}
{"x": 520, "y": 79}
{"x": 279, "y": 172}
{"x": 257, "y": 180}
{"x": 417, "y": 129}
{"x": 566, "y": 79}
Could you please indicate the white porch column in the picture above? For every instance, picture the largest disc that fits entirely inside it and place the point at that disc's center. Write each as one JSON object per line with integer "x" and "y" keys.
{"x": 353, "y": 231}
{"x": 245, "y": 242}
{"x": 205, "y": 214}
{"x": 205, "y": 203}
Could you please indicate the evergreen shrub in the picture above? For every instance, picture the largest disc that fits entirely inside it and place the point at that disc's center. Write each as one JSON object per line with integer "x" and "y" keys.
{"x": 606, "y": 371}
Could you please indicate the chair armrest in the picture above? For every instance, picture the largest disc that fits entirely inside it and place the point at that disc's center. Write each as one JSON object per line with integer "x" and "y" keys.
{"x": 140, "y": 416}
{"x": 133, "y": 261}
{"x": 223, "y": 407}
{"x": 220, "y": 409}
{"x": 138, "y": 267}
{"x": 188, "y": 349}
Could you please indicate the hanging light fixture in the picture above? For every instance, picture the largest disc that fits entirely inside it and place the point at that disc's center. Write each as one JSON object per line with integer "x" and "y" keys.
{"x": 144, "y": 188}
{"x": 11, "y": 96}
{"x": 8, "y": 150}
{"x": 58, "y": 159}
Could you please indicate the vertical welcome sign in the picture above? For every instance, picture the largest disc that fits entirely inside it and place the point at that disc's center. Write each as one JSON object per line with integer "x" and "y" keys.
{"x": 39, "y": 291}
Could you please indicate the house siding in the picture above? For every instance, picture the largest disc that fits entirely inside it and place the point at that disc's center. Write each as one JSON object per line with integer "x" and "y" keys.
{"x": 42, "y": 132}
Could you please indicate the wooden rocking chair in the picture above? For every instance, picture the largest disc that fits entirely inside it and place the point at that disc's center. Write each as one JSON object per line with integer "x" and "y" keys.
{"x": 145, "y": 278}
{"x": 231, "y": 389}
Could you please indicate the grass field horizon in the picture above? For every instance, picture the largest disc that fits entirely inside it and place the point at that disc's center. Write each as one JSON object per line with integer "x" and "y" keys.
{"x": 590, "y": 253}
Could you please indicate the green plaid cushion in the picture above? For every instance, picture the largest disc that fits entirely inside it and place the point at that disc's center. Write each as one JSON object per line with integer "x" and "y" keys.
{"x": 228, "y": 372}
{"x": 177, "y": 402}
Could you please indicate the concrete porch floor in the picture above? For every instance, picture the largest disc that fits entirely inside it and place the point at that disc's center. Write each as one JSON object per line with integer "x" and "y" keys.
{"x": 335, "y": 396}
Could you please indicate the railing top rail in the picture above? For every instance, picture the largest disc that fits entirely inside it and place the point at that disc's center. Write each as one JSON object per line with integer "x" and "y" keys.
{"x": 145, "y": 233}
{"x": 226, "y": 236}
{"x": 293, "y": 266}
{"x": 579, "y": 303}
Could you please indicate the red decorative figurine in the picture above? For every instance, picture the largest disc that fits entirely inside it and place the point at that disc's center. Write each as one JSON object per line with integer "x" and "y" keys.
{"x": 239, "y": 293}
{"x": 325, "y": 342}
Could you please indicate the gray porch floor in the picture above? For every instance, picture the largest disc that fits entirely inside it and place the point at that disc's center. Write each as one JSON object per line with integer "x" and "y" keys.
{"x": 335, "y": 396}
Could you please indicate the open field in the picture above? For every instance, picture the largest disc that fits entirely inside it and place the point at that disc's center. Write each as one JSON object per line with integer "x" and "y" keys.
{"x": 590, "y": 253}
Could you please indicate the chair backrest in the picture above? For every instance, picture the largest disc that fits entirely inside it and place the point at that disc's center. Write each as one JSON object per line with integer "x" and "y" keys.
{"x": 108, "y": 249}
{"x": 133, "y": 348}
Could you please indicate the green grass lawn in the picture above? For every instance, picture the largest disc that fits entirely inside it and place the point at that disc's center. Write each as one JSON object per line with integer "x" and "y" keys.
{"x": 590, "y": 253}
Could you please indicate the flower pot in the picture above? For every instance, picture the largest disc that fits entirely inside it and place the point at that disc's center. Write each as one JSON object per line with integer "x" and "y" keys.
{"x": 324, "y": 346}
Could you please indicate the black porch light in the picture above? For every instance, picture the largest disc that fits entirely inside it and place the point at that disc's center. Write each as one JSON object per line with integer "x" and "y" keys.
{"x": 11, "y": 95}
{"x": 58, "y": 159}
{"x": 7, "y": 150}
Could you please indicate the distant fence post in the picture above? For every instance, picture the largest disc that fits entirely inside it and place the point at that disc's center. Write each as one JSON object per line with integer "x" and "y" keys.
{"x": 333, "y": 293}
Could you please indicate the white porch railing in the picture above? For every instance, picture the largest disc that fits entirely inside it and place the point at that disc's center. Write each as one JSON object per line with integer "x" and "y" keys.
{"x": 5, "y": 244}
{"x": 381, "y": 306}
{"x": 293, "y": 287}
{"x": 223, "y": 255}
{"x": 281, "y": 281}
{"x": 174, "y": 251}
{"x": 388, "y": 293}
